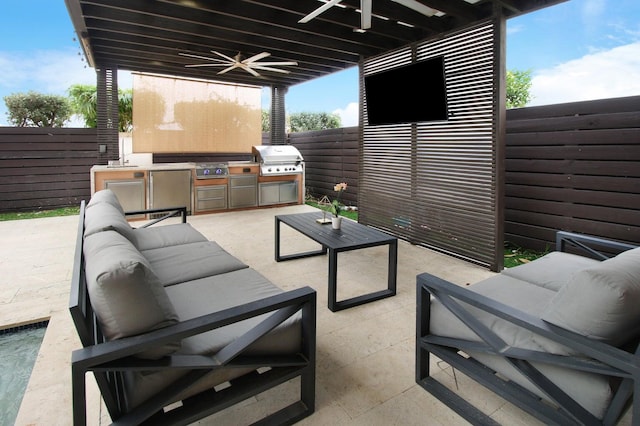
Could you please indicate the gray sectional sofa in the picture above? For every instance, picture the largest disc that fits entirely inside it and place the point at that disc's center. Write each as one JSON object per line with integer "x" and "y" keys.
{"x": 559, "y": 336}
{"x": 175, "y": 328}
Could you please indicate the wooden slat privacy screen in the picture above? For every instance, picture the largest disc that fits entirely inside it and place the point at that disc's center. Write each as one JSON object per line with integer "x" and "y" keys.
{"x": 434, "y": 183}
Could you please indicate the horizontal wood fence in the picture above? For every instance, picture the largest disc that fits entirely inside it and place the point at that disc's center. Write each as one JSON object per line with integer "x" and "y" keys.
{"x": 573, "y": 167}
{"x": 45, "y": 168}
{"x": 331, "y": 156}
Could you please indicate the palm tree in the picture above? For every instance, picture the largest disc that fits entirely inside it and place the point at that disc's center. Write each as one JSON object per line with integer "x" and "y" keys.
{"x": 84, "y": 101}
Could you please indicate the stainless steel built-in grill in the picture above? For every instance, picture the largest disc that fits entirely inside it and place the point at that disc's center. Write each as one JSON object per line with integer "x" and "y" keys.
{"x": 211, "y": 171}
{"x": 277, "y": 160}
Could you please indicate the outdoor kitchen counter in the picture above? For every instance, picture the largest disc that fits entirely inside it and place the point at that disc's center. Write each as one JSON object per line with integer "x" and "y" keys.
{"x": 142, "y": 187}
{"x": 127, "y": 171}
{"x": 132, "y": 185}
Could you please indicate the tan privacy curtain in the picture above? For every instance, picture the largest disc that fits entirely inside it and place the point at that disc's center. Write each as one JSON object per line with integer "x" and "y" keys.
{"x": 182, "y": 115}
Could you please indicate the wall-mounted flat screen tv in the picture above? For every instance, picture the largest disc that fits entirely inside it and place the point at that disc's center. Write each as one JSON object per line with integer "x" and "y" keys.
{"x": 407, "y": 94}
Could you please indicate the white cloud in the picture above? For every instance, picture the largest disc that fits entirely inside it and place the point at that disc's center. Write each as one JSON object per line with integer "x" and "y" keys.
{"x": 348, "y": 115}
{"x": 50, "y": 72}
{"x": 605, "y": 74}
{"x": 593, "y": 9}
{"x": 514, "y": 28}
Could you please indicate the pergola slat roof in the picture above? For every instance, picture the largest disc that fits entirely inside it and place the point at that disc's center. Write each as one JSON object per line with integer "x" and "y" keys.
{"x": 147, "y": 36}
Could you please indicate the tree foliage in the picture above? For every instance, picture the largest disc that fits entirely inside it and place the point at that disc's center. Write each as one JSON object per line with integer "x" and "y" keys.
{"x": 125, "y": 110}
{"x": 304, "y": 121}
{"x": 84, "y": 101}
{"x": 518, "y": 86}
{"x": 34, "y": 109}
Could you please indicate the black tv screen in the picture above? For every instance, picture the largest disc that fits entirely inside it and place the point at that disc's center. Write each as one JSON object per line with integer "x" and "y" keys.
{"x": 407, "y": 94}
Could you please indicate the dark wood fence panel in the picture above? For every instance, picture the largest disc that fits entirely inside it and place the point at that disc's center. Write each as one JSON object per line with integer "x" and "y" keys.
{"x": 574, "y": 167}
{"x": 45, "y": 168}
{"x": 331, "y": 156}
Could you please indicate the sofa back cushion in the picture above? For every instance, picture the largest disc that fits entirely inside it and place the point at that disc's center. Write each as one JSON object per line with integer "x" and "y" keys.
{"x": 104, "y": 216}
{"x": 125, "y": 294}
{"x": 175, "y": 234}
{"x": 602, "y": 301}
{"x": 106, "y": 196}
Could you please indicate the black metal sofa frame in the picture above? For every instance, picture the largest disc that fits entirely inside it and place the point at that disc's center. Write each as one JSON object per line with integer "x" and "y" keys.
{"x": 622, "y": 366}
{"x": 107, "y": 359}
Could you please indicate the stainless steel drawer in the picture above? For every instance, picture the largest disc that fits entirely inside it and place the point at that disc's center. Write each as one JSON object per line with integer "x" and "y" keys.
{"x": 213, "y": 197}
{"x": 243, "y": 191}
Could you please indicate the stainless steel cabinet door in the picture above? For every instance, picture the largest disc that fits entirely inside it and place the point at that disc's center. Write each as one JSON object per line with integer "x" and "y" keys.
{"x": 170, "y": 188}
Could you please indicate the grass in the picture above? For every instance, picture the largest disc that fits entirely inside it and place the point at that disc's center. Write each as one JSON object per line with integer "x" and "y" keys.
{"x": 514, "y": 255}
{"x": 65, "y": 211}
{"x": 351, "y": 214}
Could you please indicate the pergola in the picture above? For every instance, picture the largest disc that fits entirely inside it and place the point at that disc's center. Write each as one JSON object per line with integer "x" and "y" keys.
{"x": 170, "y": 36}
{"x": 151, "y": 36}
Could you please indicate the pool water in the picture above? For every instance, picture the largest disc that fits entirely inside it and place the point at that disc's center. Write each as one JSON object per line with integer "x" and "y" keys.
{"x": 18, "y": 351}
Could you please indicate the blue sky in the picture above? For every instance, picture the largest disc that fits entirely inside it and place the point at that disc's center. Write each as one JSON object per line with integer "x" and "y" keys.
{"x": 578, "y": 50}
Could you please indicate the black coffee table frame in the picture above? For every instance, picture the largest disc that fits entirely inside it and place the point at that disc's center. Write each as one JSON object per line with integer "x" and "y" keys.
{"x": 351, "y": 236}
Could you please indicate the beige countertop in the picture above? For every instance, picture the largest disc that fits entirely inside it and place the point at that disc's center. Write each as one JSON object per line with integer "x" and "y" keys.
{"x": 156, "y": 166}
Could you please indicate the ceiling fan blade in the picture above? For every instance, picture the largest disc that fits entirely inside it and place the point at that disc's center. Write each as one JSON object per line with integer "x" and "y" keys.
{"x": 207, "y": 58}
{"x": 259, "y": 67}
{"x": 254, "y": 64}
{"x": 365, "y": 14}
{"x": 418, "y": 7}
{"x": 206, "y": 65}
{"x": 226, "y": 70}
{"x": 318, "y": 11}
{"x": 228, "y": 58}
{"x": 256, "y": 57}
{"x": 249, "y": 70}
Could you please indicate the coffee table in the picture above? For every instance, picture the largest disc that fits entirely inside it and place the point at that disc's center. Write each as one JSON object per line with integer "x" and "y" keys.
{"x": 351, "y": 236}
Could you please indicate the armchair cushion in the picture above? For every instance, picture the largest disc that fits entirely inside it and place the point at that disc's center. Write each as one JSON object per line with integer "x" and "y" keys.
{"x": 602, "y": 301}
{"x": 518, "y": 294}
{"x": 552, "y": 271}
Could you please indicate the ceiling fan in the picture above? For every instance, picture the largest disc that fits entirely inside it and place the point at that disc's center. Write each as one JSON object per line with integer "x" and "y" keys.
{"x": 365, "y": 10}
{"x": 250, "y": 65}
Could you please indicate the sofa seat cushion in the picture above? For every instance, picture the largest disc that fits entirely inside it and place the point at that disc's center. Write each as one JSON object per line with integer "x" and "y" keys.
{"x": 127, "y": 297}
{"x": 512, "y": 292}
{"x": 601, "y": 302}
{"x": 590, "y": 390}
{"x": 224, "y": 291}
{"x": 187, "y": 262}
{"x": 212, "y": 294}
{"x": 160, "y": 236}
{"x": 552, "y": 270}
{"x": 103, "y": 216}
